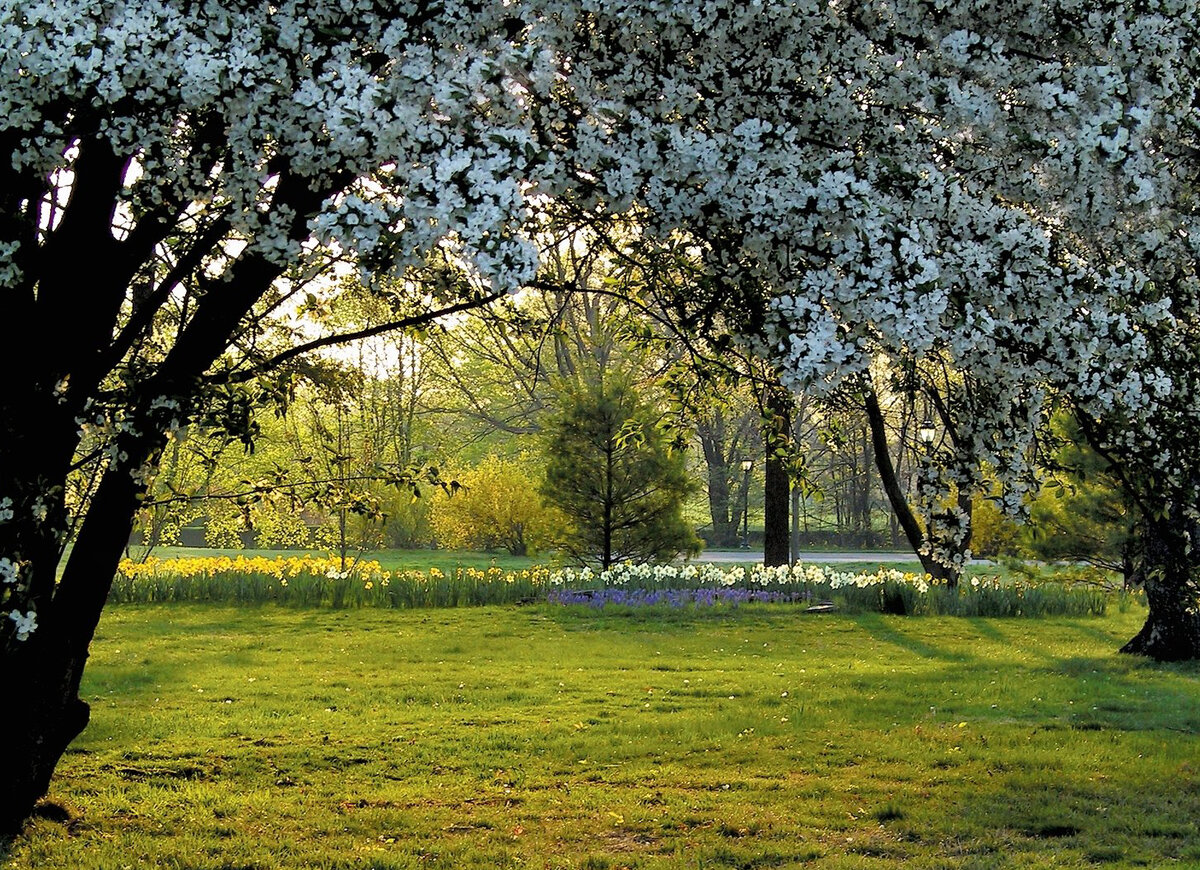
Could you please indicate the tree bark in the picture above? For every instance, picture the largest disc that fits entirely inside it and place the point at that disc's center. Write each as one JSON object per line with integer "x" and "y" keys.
{"x": 777, "y": 492}
{"x": 1167, "y": 570}
{"x": 794, "y": 541}
{"x": 895, "y": 494}
{"x": 42, "y": 673}
{"x": 606, "y": 555}
{"x": 720, "y": 496}
{"x": 46, "y": 675}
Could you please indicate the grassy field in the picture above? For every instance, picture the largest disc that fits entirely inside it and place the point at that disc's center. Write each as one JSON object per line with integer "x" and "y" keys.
{"x": 548, "y": 737}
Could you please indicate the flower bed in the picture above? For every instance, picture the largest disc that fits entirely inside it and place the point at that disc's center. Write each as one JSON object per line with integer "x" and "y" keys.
{"x": 884, "y": 591}
{"x": 308, "y": 581}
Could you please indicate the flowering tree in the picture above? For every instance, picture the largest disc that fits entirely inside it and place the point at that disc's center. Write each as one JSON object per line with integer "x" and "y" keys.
{"x": 1047, "y": 246}
{"x": 174, "y": 179}
{"x": 1010, "y": 187}
{"x": 1010, "y": 184}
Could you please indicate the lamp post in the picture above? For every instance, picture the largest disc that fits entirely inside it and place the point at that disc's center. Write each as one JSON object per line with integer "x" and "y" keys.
{"x": 747, "y": 464}
{"x": 926, "y": 433}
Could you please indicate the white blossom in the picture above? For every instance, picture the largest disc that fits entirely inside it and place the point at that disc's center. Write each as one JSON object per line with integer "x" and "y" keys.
{"x": 1008, "y": 187}
{"x": 24, "y": 624}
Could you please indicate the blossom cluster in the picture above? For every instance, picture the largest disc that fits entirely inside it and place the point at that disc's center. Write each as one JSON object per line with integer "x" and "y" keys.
{"x": 1006, "y": 186}
{"x": 643, "y": 576}
{"x": 24, "y": 624}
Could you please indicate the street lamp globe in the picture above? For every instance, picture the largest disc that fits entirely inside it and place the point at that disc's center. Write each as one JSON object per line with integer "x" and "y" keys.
{"x": 926, "y": 432}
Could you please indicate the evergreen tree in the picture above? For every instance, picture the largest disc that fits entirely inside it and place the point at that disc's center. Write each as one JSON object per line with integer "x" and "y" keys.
{"x": 610, "y": 470}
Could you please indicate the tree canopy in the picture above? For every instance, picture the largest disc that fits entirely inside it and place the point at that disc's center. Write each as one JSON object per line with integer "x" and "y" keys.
{"x": 1012, "y": 185}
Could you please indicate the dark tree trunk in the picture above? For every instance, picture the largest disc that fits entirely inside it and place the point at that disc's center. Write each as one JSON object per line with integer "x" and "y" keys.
{"x": 794, "y": 540}
{"x": 777, "y": 493}
{"x": 36, "y": 733}
{"x": 777, "y": 487}
{"x": 717, "y": 465}
{"x": 1167, "y": 570}
{"x": 606, "y": 555}
{"x": 891, "y": 486}
{"x": 46, "y": 675}
{"x": 41, "y": 673}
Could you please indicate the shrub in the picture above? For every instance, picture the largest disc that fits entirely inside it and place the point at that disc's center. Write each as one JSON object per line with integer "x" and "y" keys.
{"x": 498, "y": 507}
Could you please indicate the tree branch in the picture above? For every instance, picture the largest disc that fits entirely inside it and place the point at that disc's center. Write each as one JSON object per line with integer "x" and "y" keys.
{"x": 345, "y": 337}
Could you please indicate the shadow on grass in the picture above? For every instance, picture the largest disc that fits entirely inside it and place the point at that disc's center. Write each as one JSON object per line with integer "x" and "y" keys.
{"x": 883, "y": 629}
{"x": 987, "y": 628}
{"x": 1122, "y": 820}
{"x": 1096, "y": 632}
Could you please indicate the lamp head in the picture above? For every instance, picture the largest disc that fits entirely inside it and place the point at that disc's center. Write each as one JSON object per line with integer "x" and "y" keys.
{"x": 926, "y": 432}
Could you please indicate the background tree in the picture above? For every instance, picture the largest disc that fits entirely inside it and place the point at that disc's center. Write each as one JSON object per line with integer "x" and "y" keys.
{"x": 494, "y": 374}
{"x": 612, "y": 474}
{"x": 1081, "y": 514}
{"x": 727, "y": 433}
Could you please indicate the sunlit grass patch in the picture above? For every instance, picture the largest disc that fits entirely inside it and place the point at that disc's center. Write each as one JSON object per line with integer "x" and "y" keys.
{"x": 572, "y": 737}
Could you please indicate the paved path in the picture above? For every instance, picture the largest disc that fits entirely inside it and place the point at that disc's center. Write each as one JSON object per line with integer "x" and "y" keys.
{"x": 809, "y": 556}
{"x": 820, "y": 557}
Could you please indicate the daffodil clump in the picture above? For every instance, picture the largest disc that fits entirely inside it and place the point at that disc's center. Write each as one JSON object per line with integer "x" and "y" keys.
{"x": 313, "y": 581}
{"x": 319, "y": 581}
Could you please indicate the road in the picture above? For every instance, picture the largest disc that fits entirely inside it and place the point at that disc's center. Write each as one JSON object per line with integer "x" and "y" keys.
{"x": 809, "y": 556}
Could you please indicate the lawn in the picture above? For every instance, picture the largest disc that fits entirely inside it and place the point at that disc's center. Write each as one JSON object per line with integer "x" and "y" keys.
{"x": 550, "y": 737}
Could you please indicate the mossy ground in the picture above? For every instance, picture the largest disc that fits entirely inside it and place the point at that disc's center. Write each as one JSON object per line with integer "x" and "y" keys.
{"x": 558, "y": 738}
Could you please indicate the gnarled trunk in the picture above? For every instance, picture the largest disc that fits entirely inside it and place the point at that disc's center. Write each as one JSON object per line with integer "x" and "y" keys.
{"x": 43, "y": 673}
{"x": 35, "y": 732}
{"x": 1168, "y": 571}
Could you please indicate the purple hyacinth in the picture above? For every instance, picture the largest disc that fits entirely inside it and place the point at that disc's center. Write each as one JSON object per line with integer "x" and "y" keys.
{"x": 703, "y": 597}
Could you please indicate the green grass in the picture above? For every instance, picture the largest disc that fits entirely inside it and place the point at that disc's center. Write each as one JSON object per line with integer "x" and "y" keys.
{"x": 562, "y": 738}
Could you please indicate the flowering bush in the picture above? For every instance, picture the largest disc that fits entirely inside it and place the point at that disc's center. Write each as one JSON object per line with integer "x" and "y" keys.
{"x": 497, "y": 506}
